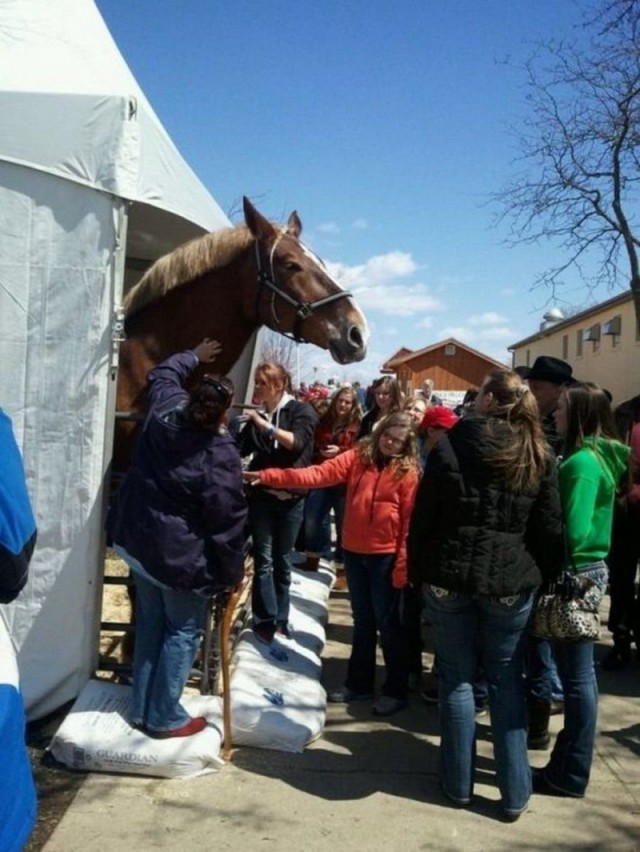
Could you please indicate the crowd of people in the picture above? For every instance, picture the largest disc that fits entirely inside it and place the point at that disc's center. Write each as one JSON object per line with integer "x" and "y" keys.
{"x": 454, "y": 519}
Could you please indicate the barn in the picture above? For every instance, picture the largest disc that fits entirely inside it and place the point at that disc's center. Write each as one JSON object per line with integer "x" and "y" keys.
{"x": 453, "y": 367}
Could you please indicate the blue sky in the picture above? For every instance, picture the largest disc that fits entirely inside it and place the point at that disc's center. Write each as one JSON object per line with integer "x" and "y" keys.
{"x": 385, "y": 124}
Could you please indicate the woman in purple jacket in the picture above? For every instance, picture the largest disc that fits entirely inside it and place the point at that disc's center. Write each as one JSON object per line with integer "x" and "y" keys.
{"x": 179, "y": 523}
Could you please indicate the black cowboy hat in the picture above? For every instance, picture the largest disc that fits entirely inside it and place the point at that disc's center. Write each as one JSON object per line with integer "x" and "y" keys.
{"x": 546, "y": 368}
{"x": 523, "y": 372}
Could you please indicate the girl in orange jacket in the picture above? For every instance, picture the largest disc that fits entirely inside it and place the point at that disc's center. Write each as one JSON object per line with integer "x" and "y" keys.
{"x": 381, "y": 474}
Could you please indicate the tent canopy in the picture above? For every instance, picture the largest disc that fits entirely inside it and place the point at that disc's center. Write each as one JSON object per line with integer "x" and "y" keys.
{"x": 88, "y": 177}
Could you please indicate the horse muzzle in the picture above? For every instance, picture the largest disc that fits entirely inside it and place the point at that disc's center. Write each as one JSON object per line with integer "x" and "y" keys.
{"x": 351, "y": 344}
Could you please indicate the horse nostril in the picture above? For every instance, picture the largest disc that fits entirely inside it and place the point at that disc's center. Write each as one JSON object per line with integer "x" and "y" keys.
{"x": 355, "y": 337}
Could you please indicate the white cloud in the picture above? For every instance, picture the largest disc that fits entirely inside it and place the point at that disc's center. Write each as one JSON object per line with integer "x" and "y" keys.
{"x": 487, "y": 318}
{"x": 492, "y": 340}
{"x": 498, "y": 332}
{"x": 375, "y": 285}
{"x": 328, "y": 228}
{"x": 360, "y": 224}
{"x": 379, "y": 269}
{"x": 460, "y": 332}
{"x": 425, "y": 322}
{"x": 400, "y": 300}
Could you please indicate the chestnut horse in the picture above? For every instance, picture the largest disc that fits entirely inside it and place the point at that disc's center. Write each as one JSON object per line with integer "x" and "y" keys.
{"x": 225, "y": 285}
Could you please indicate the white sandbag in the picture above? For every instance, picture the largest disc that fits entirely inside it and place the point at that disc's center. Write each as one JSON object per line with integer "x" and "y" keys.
{"x": 96, "y": 736}
{"x": 312, "y": 585}
{"x": 275, "y": 708}
{"x": 277, "y": 701}
{"x": 252, "y": 656}
{"x": 306, "y": 624}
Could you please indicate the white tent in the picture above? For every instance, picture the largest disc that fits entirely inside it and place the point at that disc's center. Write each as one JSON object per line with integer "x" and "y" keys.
{"x": 91, "y": 189}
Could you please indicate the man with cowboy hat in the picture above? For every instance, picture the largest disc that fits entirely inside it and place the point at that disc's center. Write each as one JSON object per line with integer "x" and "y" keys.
{"x": 547, "y": 378}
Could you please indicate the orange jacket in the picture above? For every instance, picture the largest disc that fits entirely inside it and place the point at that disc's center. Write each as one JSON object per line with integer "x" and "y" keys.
{"x": 378, "y": 505}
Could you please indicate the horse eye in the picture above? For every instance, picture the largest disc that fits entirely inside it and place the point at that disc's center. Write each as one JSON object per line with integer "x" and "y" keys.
{"x": 291, "y": 266}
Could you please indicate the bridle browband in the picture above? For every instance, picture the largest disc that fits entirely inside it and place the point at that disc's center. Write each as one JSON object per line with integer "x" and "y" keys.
{"x": 303, "y": 309}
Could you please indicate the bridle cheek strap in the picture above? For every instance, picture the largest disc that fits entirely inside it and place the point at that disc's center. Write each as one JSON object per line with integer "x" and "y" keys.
{"x": 303, "y": 310}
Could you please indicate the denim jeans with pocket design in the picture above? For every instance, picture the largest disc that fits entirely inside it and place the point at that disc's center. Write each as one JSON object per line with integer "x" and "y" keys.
{"x": 469, "y": 629}
{"x": 569, "y": 767}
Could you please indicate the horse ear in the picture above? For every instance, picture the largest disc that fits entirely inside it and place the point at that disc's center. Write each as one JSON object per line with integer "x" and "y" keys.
{"x": 294, "y": 225}
{"x": 260, "y": 227}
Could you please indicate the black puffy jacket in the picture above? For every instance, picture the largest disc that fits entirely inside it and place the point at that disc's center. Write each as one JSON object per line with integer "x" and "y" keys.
{"x": 470, "y": 533}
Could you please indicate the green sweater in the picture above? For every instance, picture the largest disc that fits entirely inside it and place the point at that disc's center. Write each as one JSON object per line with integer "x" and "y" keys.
{"x": 588, "y": 479}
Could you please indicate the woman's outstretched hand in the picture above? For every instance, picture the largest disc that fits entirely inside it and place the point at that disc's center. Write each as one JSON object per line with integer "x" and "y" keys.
{"x": 251, "y": 477}
{"x": 208, "y": 350}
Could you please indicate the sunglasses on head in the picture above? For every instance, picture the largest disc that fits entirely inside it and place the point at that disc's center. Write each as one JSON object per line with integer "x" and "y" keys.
{"x": 217, "y": 385}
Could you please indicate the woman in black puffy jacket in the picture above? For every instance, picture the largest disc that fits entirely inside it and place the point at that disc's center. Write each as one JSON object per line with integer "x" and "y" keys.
{"x": 485, "y": 530}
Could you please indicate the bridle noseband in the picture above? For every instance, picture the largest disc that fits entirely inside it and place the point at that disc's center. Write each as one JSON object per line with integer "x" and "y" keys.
{"x": 266, "y": 278}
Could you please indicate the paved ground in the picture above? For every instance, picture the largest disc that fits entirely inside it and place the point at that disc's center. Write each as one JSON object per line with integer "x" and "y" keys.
{"x": 368, "y": 784}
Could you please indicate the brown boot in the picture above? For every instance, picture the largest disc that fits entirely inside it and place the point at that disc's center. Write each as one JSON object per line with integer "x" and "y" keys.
{"x": 340, "y": 584}
{"x": 311, "y": 564}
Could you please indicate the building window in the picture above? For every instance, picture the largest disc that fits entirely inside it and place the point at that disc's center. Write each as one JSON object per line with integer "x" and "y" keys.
{"x": 528, "y": 359}
{"x": 613, "y": 328}
{"x": 450, "y": 349}
{"x": 565, "y": 346}
{"x": 579, "y": 343}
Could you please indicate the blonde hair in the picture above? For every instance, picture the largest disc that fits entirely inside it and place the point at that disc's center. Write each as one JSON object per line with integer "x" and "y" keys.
{"x": 407, "y": 460}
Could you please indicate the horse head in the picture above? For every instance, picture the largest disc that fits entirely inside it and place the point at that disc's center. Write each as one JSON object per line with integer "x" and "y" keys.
{"x": 297, "y": 297}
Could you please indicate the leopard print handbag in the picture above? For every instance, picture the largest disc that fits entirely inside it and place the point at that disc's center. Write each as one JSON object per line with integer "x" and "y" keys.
{"x": 567, "y": 610}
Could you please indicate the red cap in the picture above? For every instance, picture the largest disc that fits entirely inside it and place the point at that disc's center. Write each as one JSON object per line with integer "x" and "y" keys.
{"x": 439, "y": 417}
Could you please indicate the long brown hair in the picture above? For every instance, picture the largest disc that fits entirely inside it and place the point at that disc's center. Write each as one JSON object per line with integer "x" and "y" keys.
{"x": 395, "y": 393}
{"x": 407, "y": 460}
{"x": 524, "y": 459}
{"x": 330, "y": 416}
{"x": 589, "y": 415}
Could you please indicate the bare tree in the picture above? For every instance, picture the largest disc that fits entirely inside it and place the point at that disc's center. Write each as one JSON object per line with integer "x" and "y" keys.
{"x": 580, "y": 150}
{"x": 280, "y": 350}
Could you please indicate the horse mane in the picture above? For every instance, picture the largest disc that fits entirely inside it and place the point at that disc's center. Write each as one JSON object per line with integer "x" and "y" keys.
{"x": 186, "y": 263}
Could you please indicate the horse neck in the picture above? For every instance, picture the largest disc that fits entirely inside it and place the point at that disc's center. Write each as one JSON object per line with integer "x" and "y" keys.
{"x": 219, "y": 305}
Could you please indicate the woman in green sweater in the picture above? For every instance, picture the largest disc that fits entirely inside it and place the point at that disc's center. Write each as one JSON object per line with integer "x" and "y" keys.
{"x": 593, "y": 467}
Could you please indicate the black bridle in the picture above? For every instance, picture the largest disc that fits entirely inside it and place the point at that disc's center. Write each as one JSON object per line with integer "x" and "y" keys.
{"x": 266, "y": 278}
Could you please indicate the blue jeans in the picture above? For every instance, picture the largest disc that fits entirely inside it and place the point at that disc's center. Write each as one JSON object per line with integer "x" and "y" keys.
{"x": 274, "y": 527}
{"x": 569, "y": 766}
{"x": 169, "y": 627}
{"x": 469, "y": 629}
{"x": 543, "y": 679}
{"x": 319, "y": 504}
{"x": 374, "y": 606}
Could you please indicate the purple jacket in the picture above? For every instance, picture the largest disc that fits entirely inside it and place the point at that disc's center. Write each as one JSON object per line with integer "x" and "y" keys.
{"x": 181, "y": 509}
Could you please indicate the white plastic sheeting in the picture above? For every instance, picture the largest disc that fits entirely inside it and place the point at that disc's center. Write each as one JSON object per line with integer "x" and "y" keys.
{"x": 87, "y": 176}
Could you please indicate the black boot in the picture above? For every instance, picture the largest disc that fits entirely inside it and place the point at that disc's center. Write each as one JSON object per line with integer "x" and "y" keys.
{"x": 618, "y": 657}
{"x": 539, "y": 711}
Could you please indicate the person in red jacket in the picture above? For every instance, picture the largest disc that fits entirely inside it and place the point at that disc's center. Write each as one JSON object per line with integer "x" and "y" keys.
{"x": 381, "y": 474}
{"x": 336, "y": 432}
